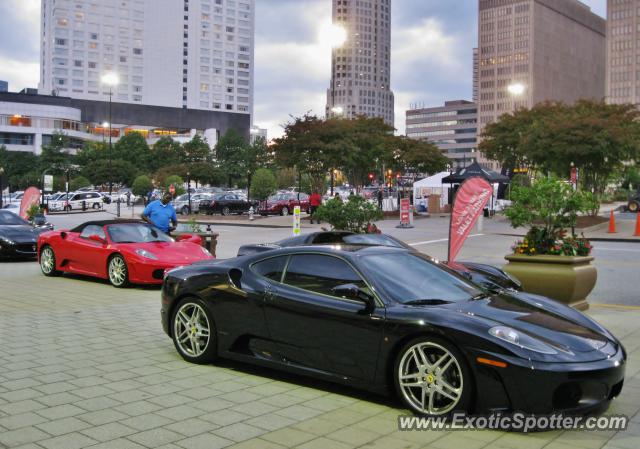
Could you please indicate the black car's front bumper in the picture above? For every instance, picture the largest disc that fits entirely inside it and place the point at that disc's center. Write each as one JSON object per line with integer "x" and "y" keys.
{"x": 18, "y": 250}
{"x": 545, "y": 388}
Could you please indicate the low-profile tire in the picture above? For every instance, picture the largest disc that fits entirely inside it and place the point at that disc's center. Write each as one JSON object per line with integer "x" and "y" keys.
{"x": 285, "y": 211}
{"x": 432, "y": 377}
{"x": 633, "y": 207}
{"x": 185, "y": 210}
{"x": 117, "y": 271}
{"x": 48, "y": 261}
{"x": 193, "y": 331}
{"x": 226, "y": 210}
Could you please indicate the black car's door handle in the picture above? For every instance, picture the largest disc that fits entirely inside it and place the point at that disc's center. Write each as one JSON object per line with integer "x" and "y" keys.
{"x": 268, "y": 293}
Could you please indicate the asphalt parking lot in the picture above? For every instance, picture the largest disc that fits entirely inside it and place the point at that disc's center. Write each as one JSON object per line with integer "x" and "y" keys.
{"x": 85, "y": 365}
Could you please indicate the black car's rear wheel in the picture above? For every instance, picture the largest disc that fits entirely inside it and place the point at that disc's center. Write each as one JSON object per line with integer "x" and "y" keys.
{"x": 226, "y": 210}
{"x": 432, "y": 378}
{"x": 118, "y": 271}
{"x": 193, "y": 331}
{"x": 48, "y": 262}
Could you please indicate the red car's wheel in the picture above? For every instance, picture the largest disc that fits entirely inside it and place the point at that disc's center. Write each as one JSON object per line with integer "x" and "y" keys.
{"x": 118, "y": 272}
{"x": 48, "y": 262}
{"x": 285, "y": 211}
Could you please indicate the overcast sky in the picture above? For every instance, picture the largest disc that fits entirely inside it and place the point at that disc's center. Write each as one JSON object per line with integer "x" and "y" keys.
{"x": 431, "y": 57}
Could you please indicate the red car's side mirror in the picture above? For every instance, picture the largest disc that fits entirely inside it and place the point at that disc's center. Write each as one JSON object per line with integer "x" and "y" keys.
{"x": 97, "y": 238}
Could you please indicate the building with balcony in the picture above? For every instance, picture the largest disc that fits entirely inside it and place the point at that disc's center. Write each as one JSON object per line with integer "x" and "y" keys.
{"x": 27, "y": 121}
{"x": 191, "y": 54}
{"x": 452, "y": 128}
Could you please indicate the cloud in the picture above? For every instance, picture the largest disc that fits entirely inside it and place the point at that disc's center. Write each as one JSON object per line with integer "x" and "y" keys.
{"x": 19, "y": 74}
{"x": 20, "y": 30}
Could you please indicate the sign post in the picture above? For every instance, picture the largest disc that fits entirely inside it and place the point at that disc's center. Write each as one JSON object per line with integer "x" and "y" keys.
{"x": 48, "y": 183}
{"x": 405, "y": 214}
{"x": 296, "y": 221}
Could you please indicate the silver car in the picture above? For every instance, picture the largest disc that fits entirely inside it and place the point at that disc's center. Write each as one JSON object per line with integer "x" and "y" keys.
{"x": 181, "y": 204}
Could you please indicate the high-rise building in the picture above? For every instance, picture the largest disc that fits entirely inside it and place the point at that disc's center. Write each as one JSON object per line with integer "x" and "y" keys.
{"x": 476, "y": 68}
{"x": 4, "y": 86}
{"x": 361, "y": 67}
{"x": 451, "y": 127}
{"x": 531, "y": 51}
{"x": 623, "y": 65}
{"x": 192, "y": 54}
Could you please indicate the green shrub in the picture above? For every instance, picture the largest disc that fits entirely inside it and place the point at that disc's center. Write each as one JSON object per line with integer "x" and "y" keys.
{"x": 141, "y": 185}
{"x": 78, "y": 183}
{"x": 263, "y": 184}
{"x": 353, "y": 215}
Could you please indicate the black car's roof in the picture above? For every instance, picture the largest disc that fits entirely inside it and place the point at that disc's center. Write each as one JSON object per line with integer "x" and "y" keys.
{"x": 81, "y": 227}
{"x": 341, "y": 249}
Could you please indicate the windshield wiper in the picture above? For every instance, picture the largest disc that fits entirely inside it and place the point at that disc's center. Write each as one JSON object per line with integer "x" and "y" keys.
{"x": 427, "y": 302}
{"x": 481, "y": 295}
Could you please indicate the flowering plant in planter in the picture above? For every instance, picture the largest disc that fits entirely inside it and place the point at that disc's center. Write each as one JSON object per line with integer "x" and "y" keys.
{"x": 549, "y": 207}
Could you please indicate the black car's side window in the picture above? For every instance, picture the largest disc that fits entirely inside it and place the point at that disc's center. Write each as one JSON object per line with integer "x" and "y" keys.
{"x": 321, "y": 274}
{"x": 271, "y": 268}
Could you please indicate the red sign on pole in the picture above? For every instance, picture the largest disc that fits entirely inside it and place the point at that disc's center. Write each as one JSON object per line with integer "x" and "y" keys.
{"x": 471, "y": 198}
{"x": 405, "y": 207}
{"x": 574, "y": 176}
{"x": 30, "y": 197}
{"x": 172, "y": 189}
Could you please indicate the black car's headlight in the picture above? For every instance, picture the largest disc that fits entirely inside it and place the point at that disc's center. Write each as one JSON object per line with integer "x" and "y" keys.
{"x": 521, "y": 340}
{"x": 6, "y": 241}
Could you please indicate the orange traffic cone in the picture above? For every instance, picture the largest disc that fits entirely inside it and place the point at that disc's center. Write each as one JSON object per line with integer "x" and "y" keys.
{"x": 637, "y": 233}
{"x": 612, "y": 224}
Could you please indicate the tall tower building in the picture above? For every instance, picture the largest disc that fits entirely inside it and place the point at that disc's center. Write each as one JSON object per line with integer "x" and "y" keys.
{"x": 530, "y": 51}
{"x": 623, "y": 32}
{"x": 361, "y": 67}
{"x": 195, "y": 54}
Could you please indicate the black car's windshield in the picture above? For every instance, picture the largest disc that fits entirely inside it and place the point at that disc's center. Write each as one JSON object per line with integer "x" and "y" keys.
{"x": 373, "y": 239}
{"x": 136, "y": 233}
{"x": 11, "y": 219}
{"x": 409, "y": 277}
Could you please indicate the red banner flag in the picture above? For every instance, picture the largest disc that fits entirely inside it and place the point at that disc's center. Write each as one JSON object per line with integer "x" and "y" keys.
{"x": 31, "y": 196}
{"x": 471, "y": 197}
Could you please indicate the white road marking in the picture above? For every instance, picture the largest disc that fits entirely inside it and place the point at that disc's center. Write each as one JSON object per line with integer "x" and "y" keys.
{"x": 597, "y": 248}
{"x": 428, "y": 242}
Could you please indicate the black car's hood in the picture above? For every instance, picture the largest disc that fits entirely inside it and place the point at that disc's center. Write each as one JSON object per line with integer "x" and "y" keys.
{"x": 560, "y": 326}
{"x": 19, "y": 233}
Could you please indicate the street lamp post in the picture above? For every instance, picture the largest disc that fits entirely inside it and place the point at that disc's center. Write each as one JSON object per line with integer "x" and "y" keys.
{"x": 1, "y": 188}
{"x": 189, "y": 190}
{"x": 111, "y": 80}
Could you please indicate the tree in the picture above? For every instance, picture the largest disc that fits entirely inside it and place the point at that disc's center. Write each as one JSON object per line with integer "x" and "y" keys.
{"x": 231, "y": 151}
{"x": 132, "y": 147}
{"x": 206, "y": 173}
{"x": 54, "y": 157}
{"x": 177, "y": 183}
{"x": 196, "y": 150}
{"x": 141, "y": 185}
{"x": 264, "y": 184}
{"x": 78, "y": 182}
{"x": 165, "y": 152}
{"x": 353, "y": 215}
{"x": 19, "y": 167}
{"x": 597, "y": 138}
{"x": 122, "y": 172}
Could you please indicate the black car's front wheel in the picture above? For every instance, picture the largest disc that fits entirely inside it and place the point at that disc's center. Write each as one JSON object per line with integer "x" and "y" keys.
{"x": 193, "y": 331}
{"x": 226, "y": 210}
{"x": 432, "y": 378}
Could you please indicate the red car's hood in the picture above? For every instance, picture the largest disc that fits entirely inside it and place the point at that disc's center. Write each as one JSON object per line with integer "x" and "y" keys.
{"x": 170, "y": 252}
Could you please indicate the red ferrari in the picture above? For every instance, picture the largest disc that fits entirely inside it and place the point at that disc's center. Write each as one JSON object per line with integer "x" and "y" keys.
{"x": 122, "y": 251}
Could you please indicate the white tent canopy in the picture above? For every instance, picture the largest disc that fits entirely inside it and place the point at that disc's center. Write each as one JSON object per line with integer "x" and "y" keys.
{"x": 432, "y": 186}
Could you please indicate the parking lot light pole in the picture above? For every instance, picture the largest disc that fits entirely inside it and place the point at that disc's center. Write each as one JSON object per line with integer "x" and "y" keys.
{"x": 111, "y": 80}
{"x": 189, "y": 190}
{"x": 1, "y": 188}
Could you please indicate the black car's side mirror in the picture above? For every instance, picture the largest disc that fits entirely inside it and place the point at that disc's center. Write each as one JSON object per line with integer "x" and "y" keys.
{"x": 348, "y": 291}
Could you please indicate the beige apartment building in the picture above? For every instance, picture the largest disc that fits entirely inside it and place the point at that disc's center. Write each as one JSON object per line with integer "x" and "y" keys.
{"x": 623, "y": 68}
{"x": 361, "y": 66}
{"x": 530, "y": 51}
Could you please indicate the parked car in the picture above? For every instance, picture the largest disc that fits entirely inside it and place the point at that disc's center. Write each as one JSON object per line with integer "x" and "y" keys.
{"x": 387, "y": 319}
{"x": 284, "y": 203}
{"x": 487, "y": 276}
{"x": 181, "y": 204}
{"x": 18, "y": 237}
{"x": 122, "y": 251}
{"x": 14, "y": 208}
{"x": 633, "y": 205}
{"x": 226, "y": 204}
{"x": 122, "y": 195}
{"x": 77, "y": 201}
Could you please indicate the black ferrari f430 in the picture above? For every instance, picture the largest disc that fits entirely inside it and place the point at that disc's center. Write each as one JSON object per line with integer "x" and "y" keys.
{"x": 391, "y": 319}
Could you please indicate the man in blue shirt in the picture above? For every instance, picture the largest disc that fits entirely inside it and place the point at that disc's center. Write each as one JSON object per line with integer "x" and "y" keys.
{"x": 161, "y": 214}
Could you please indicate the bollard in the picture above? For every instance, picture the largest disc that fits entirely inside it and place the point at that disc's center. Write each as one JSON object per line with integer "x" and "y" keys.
{"x": 118, "y": 208}
{"x": 251, "y": 212}
{"x": 84, "y": 205}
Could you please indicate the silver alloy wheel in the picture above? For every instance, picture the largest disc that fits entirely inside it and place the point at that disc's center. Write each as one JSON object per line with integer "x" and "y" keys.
{"x": 225, "y": 210}
{"x": 191, "y": 330}
{"x": 117, "y": 271}
{"x": 285, "y": 211}
{"x": 47, "y": 260}
{"x": 430, "y": 378}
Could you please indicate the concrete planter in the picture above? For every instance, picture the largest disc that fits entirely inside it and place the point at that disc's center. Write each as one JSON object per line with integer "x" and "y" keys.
{"x": 567, "y": 279}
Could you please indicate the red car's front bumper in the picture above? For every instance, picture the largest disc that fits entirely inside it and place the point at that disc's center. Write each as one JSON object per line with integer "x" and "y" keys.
{"x": 151, "y": 271}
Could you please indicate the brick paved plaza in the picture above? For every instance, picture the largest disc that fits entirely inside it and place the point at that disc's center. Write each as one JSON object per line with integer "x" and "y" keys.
{"x": 85, "y": 365}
